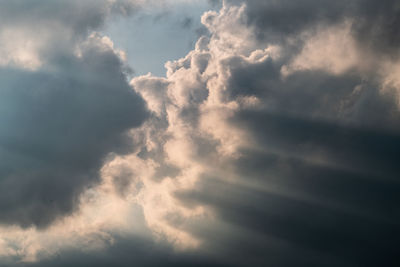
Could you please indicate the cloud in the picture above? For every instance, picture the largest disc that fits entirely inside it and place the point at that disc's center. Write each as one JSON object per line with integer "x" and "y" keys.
{"x": 375, "y": 24}
{"x": 274, "y": 142}
{"x": 300, "y": 163}
{"x": 64, "y": 110}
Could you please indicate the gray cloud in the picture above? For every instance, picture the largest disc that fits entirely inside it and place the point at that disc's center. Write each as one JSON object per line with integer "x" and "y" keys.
{"x": 375, "y": 23}
{"x": 81, "y": 16}
{"x": 260, "y": 167}
{"x": 60, "y": 121}
{"x": 57, "y": 129}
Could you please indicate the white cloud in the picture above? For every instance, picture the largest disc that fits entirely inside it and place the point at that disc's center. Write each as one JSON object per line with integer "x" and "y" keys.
{"x": 331, "y": 49}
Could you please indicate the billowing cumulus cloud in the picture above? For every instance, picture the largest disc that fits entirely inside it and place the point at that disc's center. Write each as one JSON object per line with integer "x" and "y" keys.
{"x": 289, "y": 150}
{"x": 274, "y": 142}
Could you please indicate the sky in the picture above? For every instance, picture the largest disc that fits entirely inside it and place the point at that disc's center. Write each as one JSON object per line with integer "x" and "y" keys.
{"x": 158, "y": 34}
{"x": 199, "y": 133}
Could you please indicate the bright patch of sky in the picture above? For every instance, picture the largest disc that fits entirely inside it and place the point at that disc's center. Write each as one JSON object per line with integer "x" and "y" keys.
{"x": 158, "y": 34}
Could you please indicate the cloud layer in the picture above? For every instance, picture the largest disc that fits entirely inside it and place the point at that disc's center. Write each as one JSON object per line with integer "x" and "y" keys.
{"x": 274, "y": 142}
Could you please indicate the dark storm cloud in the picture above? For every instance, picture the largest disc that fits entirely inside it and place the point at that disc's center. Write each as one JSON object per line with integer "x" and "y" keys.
{"x": 376, "y": 23}
{"x": 131, "y": 251}
{"x": 377, "y": 26}
{"x": 61, "y": 120}
{"x": 56, "y": 130}
{"x": 268, "y": 226}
